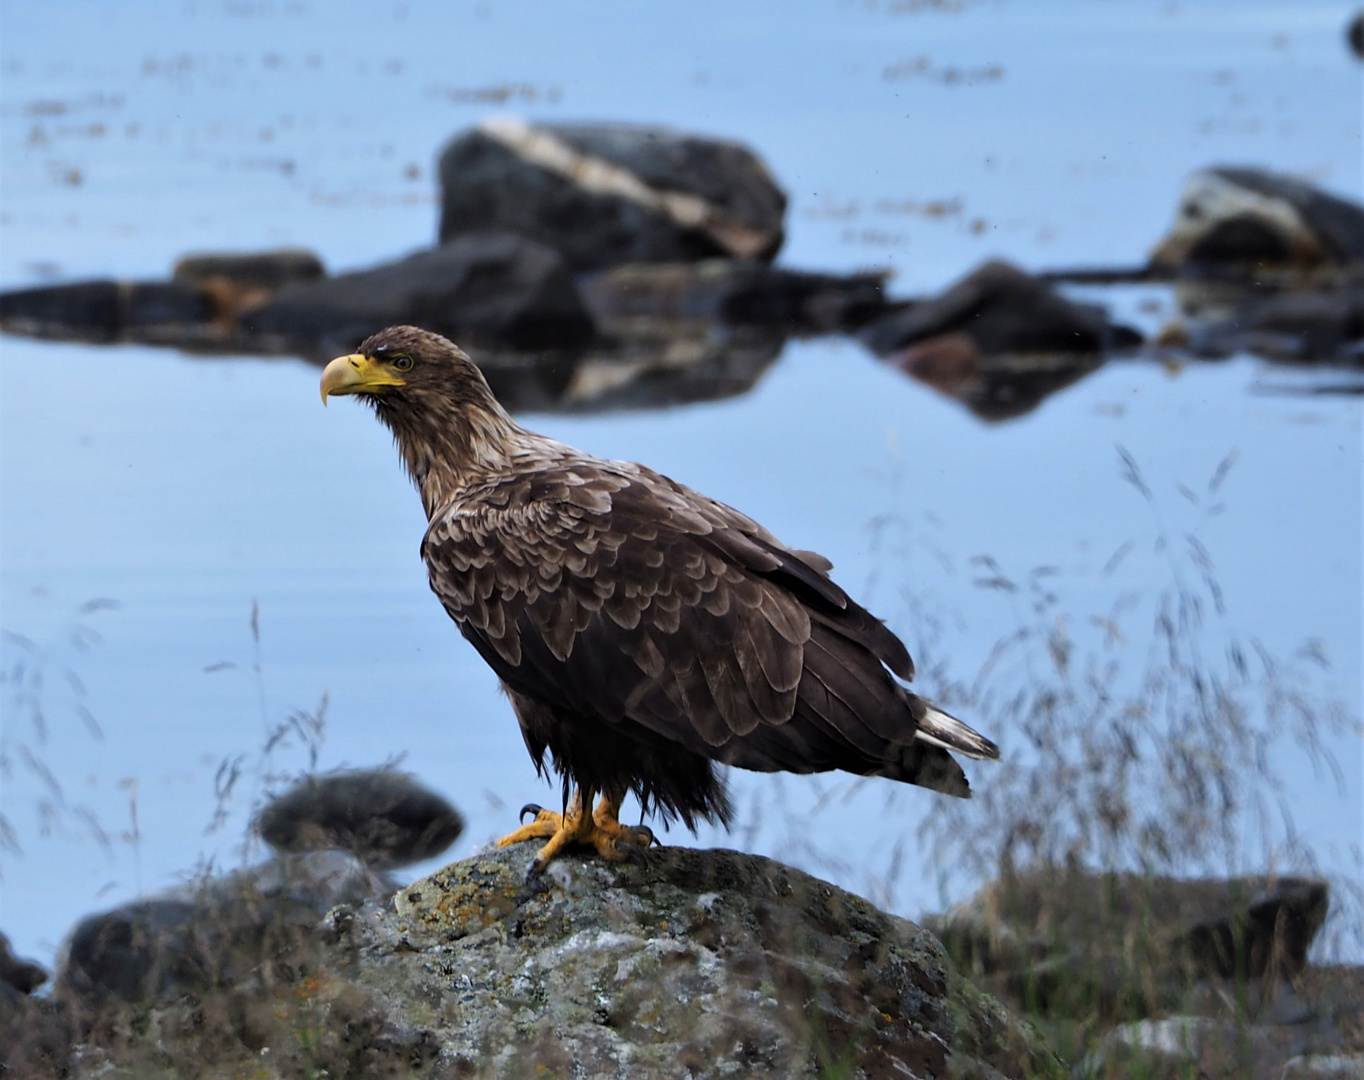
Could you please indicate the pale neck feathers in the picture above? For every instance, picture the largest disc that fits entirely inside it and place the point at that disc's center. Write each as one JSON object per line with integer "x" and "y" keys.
{"x": 453, "y": 448}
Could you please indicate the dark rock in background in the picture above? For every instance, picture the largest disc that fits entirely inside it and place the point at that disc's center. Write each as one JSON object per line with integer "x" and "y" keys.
{"x": 383, "y": 817}
{"x": 1293, "y": 324}
{"x": 207, "y": 935}
{"x": 104, "y": 312}
{"x": 999, "y": 340}
{"x": 1164, "y": 977}
{"x": 606, "y": 194}
{"x": 265, "y": 270}
{"x": 492, "y": 288}
{"x": 732, "y": 292}
{"x": 1354, "y": 34}
{"x": 636, "y": 371}
{"x": 1251, "y": 218}
{"x": 1002, "y": 309}
{"x": 1050, "y": 933}
{"x": 22, "y": 975}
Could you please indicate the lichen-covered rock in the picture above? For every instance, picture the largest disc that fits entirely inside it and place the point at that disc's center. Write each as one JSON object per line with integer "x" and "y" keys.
{"x": 690, "y": 964}
{"x": 695, "y": 964}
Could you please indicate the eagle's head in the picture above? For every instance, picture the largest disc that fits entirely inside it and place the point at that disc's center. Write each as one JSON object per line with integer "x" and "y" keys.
{"x": 435, "y": 401}
{"x": 408, "y": 369}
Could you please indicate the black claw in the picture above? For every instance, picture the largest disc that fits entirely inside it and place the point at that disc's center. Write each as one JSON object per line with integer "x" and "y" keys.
{"x": 533, "y": 809}
{"x": 649, "y": 838}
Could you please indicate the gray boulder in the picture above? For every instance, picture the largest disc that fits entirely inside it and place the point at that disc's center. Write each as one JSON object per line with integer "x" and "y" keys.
{"x": 209, "y": 934}
{"x": 1183, "y": 1046}
{"x": 492, "y": 288}
{"x": 1066, "y": 941}
{"x": 692, "y": 964}
{"x": 383, "y": 817}
{"x": 606, "y": 194}
{"x": 1248, "y": 218}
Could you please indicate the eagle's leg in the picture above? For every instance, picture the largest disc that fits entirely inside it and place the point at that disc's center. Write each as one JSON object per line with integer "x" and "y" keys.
{"x": 601, "y": 830}
{"x": 607, "y": 819}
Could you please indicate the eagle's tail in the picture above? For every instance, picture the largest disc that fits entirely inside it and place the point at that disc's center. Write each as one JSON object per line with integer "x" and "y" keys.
{"x": 939, "y": 729}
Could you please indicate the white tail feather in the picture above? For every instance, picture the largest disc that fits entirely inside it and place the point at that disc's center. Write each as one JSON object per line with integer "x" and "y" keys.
{"x": 939, "y": 729}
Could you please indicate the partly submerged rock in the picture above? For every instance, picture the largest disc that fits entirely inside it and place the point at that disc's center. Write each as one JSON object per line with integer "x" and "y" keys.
{"x": 383, "y": 817}
{"x": 105, "y": 312}
{"x": 999, "y": 340}
{"x": 640, "y": 297}
{"x": 1293, "y": 325}
{"x": 493, "y": 288}
{"x": 693, "y": 964}
{"x": 1002, "y": 309}
{"x": 264, "y": 270}
{"x": 1249, "y": 218}
{"x": 606, "y": 194}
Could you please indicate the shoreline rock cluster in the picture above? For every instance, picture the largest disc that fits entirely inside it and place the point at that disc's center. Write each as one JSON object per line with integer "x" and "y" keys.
{"x": 597, "y": 266}
{"x": 1131, "y": 975}
{"x": 684, "y": 964}
{"x": 690, "y": 964}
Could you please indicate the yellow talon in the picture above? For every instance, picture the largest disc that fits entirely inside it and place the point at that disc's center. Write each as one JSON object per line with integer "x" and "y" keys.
{"x": 601, "y": 831}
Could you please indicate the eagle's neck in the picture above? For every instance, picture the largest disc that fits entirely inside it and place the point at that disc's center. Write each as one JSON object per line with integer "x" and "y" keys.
{"x": 450, "y": 450}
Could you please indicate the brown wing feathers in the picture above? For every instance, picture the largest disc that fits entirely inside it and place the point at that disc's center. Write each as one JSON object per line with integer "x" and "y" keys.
{"x": 738, "y": 649}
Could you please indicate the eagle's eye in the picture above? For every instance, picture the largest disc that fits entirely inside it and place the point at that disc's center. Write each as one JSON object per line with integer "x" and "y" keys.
{"x": 402, "y": 363}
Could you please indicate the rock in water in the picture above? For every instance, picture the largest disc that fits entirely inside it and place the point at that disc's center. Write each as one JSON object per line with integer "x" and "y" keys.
{"x": 999, "y": 340}
{"x": 495, "y": 289}
{"x": 1244, "y": 218}
{"x": 106, "y": 311}
{"x": 732, "y": 292}
{"x": 692, "y": 964}
{"x": 383, "y": 817}
{"x": 265, "y": 270}
{"x": 606, "y": 194}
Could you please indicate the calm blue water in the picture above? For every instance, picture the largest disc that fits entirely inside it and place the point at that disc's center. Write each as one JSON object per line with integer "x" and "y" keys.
{"x": 188, "y": 489}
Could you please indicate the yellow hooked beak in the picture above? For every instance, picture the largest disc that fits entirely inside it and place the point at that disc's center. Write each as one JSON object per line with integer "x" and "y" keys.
{"x": 354, "y": 374}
